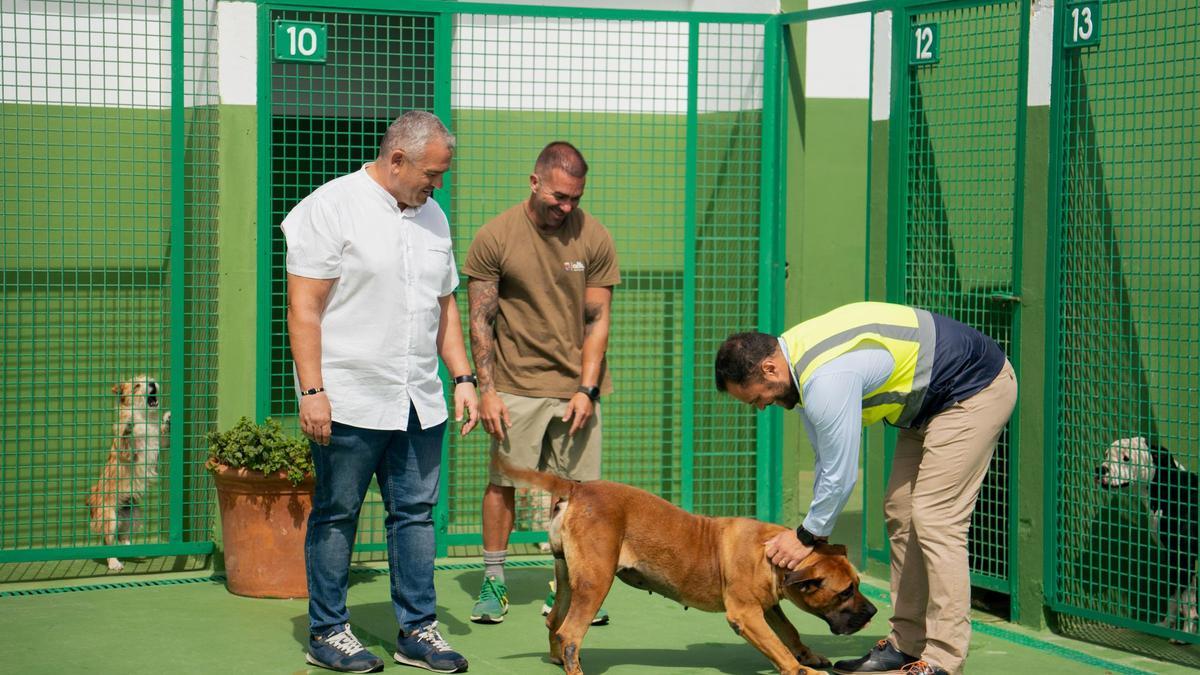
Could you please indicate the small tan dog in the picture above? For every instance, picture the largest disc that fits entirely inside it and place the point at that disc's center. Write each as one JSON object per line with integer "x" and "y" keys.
{"x": 114, "y": 502}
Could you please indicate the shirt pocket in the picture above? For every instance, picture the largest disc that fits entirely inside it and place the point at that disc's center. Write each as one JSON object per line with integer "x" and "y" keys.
{"x": 435, "y": 269}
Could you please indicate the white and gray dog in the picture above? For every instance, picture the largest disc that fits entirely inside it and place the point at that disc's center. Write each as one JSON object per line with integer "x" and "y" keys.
{"x": 1172, "y": 495}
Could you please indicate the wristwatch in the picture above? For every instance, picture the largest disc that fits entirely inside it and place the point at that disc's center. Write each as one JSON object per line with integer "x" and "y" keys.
{"x": 807, "y": 538}
{"x": 592, "y": 392}
{"x": 467, "y": 378}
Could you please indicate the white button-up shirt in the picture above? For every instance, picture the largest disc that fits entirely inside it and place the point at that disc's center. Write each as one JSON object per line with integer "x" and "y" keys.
{"x": 379, "y": 327}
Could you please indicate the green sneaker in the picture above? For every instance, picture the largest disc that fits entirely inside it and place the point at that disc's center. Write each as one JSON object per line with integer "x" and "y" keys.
{"x": 493, "y": 602}
{"x": 601, "y": 618}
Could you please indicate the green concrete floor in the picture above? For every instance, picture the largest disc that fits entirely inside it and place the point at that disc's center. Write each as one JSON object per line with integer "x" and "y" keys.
{"x": 186, "y": 623}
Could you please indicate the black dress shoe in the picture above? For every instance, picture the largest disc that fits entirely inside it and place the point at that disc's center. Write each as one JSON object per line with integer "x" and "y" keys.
{"x": 883, "y": 659}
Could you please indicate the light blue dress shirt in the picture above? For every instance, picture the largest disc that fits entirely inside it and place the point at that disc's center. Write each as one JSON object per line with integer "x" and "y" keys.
{"x": 831, "y": 408}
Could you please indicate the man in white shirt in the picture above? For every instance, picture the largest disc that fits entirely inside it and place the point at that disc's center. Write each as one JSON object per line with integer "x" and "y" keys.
{"x": 371, "y": 279}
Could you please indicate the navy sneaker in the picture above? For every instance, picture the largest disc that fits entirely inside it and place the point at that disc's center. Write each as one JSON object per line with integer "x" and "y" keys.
{"x": 883, "y": 658}
{"x": 338, "y": 649}
{"x": 426, "y": 648}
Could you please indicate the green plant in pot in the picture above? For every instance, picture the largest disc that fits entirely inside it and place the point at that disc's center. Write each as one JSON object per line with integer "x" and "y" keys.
{"x": 263, "y": 477}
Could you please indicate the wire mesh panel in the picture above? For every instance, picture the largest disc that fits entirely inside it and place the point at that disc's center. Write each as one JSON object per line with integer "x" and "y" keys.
{"x": 619, "y": 90}
{"x": 326, "y": 120}
{"x": 668, "y": 114}
{"x": 728, "y": 189}
{"x": 1127, "y": 431}
{"x": 107, "y": 208}
{"x": 960, "y": 189}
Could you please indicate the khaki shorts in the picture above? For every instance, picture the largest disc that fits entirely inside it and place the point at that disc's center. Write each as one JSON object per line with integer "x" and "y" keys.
{"x": 538, "y": 438}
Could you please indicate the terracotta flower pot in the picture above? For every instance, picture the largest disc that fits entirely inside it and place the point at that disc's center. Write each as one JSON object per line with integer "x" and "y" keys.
{"x": 263, "y": 522}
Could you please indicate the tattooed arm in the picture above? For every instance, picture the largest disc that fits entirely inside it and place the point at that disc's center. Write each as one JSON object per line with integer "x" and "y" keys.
{"x": 597, "y": 309}
{"x": 484, "y": 300}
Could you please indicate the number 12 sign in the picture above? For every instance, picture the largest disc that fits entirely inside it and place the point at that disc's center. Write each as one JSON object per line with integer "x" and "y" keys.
{"x": 300, "y": 41}
{"x": 1082, "y": 24}
{"x": 924, "y": 46}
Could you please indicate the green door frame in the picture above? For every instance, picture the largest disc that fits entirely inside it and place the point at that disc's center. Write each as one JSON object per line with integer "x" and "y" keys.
{"x": 897, "y": 232}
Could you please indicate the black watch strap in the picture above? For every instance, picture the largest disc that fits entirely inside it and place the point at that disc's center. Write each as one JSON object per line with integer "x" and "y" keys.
{"x": 466, "y": 378}
{"x": 312, "y": 392}
{"x": 807, "y": 538}
{"x": 592, "y": 392}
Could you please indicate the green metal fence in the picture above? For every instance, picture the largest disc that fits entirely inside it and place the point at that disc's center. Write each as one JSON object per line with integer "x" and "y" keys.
{"x": 959, "y": 108}
{"x": 108, "y": 135}
{"x": 1125, "y": 269}
{"x": 667, "y": 108}
{"x": 109, "y": 128}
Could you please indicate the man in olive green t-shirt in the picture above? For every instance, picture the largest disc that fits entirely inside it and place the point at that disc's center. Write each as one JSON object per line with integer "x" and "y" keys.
{"x": 541, "y": 278}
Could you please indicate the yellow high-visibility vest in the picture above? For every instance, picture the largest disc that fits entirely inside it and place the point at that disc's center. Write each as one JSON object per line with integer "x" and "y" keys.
{"x": 906, "y": 332}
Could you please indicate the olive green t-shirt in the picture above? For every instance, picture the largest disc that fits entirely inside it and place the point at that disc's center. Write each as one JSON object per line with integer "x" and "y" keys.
{"x": 542, "y": 279}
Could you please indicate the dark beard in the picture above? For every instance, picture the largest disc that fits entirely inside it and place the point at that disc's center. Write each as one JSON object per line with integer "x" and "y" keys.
{"x": 790, "y": 397}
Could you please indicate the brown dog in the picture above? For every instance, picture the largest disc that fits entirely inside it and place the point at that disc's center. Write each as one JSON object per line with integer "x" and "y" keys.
{"x": 601, "y": 529}
{"x": 114, "y": 502}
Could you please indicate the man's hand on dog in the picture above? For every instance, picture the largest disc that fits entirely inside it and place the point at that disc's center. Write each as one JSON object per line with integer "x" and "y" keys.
{"x": 315, "y": 417}
{"x": 785, "y": 550}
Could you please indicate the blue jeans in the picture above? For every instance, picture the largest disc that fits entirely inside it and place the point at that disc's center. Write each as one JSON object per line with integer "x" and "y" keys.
{"x": 407, "y": 465}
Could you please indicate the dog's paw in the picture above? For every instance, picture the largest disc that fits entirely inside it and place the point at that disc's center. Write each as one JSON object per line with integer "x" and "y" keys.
{"x": 166, "y": 421}
{"x": 115, "y": 565}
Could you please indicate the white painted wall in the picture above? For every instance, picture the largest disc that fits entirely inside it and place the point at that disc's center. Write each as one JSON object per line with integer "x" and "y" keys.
{"x": 537, "y": 63}
{"x": 98, "y": 54}
{"x": 748, "y": 6}
{"x": 838, "y": 56}
{"x": 237, "y": 52}
{"x": 119, "y": 54}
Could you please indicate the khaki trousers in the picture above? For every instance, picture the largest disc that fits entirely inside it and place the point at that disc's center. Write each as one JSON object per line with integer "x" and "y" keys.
{"x": 936, "y": 474}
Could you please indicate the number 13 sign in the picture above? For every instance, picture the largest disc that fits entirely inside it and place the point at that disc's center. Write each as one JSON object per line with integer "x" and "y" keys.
{"x": 1082, "y": 24}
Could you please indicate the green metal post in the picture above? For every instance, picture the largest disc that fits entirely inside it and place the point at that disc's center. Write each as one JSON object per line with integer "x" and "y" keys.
{"x": 1053, "y": 310}
{"x": 687, "y": 459}
{"x": 178, "y": 274}
{"x": 262, "y": 398}
{"x": 769, "y": 266}
{"x": 443, "y": 73}
{"x": 1014, "y": 440}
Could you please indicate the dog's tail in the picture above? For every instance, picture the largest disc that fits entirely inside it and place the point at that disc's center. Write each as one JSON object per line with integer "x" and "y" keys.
{"x": 559, "y": 487}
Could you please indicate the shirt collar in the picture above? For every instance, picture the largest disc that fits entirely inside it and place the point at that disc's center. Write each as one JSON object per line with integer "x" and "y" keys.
{"x": 791, "y": 371}
{"x": 410, "y": 212}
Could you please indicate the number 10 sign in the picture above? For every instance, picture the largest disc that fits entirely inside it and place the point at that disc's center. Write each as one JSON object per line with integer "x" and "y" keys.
{"x": 300, "y": 41}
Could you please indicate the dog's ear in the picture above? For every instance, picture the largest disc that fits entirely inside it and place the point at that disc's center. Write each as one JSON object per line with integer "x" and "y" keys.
{"x": 801, "y": 580}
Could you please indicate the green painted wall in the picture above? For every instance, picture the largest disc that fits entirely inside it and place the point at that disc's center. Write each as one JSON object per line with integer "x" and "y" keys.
{"x": 826, "y": 239}
{"x": 826, "y": 254}
{"x": 237, "y": 371}
{"x": 85, "y": 250}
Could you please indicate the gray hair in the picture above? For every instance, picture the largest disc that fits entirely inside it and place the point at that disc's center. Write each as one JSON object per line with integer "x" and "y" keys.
{"x": 412, "y": 133}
